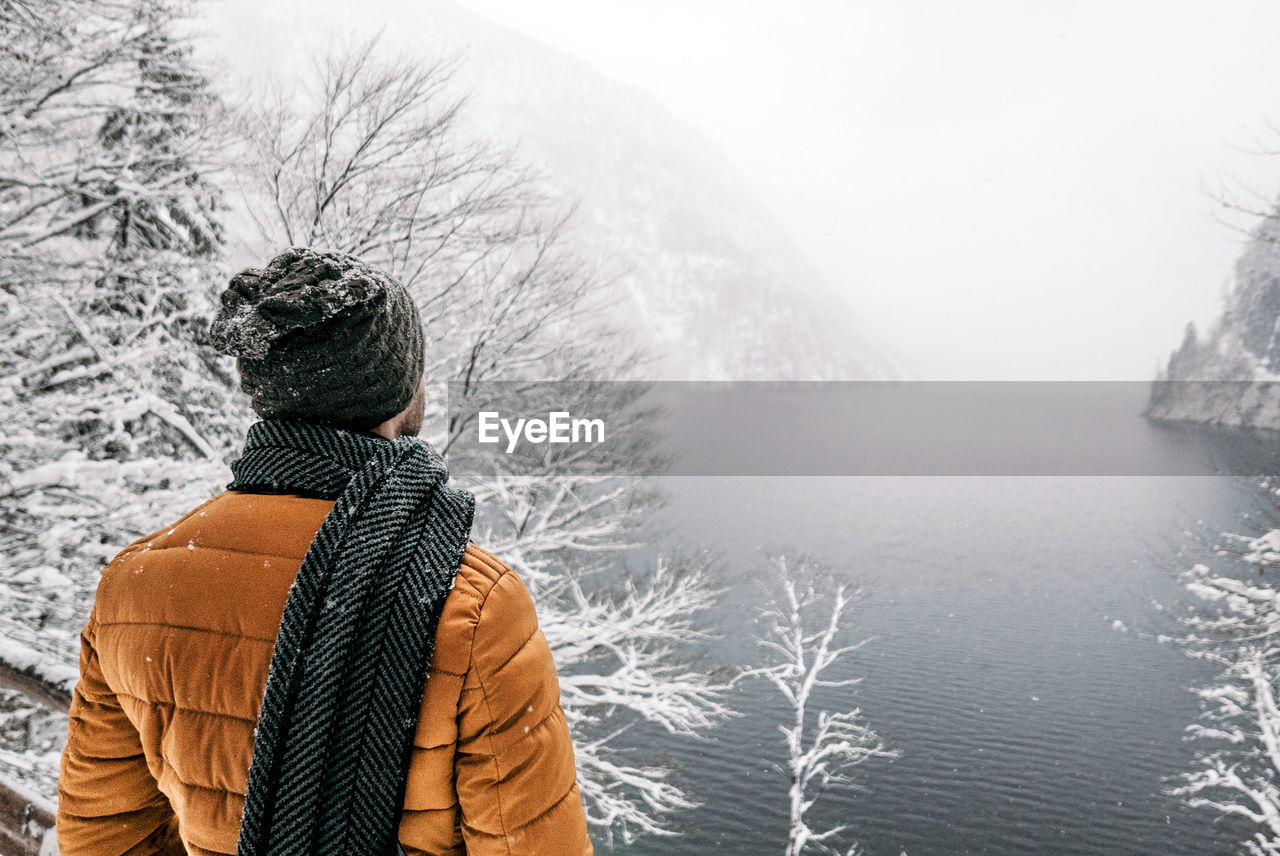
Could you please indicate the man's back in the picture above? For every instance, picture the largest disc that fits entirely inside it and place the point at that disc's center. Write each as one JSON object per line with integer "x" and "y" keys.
{"x": 174, "y": 662}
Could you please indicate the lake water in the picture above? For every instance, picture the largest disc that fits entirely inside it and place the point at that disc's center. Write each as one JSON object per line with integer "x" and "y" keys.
{"x": 1027, "y": 723}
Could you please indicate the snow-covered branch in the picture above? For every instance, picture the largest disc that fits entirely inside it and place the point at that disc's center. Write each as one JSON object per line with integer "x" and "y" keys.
{"x": 803, "y": 626}
{"x": 622, "y": 642}
{"x": 1235, "y": 623}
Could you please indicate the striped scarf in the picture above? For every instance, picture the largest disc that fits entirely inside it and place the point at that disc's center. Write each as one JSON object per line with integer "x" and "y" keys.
{"x": 331, "y": 748}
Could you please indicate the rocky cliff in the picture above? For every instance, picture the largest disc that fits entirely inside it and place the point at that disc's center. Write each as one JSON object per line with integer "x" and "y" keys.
{"x": 1230, "y": 375}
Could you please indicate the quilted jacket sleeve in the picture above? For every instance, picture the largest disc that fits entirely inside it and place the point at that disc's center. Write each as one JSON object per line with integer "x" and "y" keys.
{"x": 108, "y": 802}
{"x": 516, "y": 781}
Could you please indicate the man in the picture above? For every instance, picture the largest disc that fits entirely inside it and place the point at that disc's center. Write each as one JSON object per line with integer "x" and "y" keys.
{"x": 252, "y": 675}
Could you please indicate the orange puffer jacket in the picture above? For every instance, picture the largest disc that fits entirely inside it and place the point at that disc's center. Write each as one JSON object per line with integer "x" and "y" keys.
{"x": 174, "y": 661}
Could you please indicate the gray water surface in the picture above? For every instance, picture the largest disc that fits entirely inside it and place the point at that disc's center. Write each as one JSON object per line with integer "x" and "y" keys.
{"x": 1026, "y": 721}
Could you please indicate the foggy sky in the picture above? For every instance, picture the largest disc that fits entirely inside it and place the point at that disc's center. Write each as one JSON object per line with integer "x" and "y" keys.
{"x": 1003, "y": 190}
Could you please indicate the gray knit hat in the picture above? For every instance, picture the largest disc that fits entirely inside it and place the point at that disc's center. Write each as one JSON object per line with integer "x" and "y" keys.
{"x": 322, "y": 337}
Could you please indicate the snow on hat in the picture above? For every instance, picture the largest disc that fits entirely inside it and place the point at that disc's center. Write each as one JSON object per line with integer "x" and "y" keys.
{"x": 322, "y": 337}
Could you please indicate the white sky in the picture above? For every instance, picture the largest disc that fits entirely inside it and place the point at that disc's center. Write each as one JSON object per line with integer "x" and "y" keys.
{"x": 1003, "y": 189}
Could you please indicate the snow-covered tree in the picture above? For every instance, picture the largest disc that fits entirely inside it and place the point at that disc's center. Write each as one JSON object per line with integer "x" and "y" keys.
{"x": 99, "y": 107}
{"x": 1235, "y": 623}
{"x": 803, "y": 634}
{"x": 369, "y": 154}
{"x": 108, "y": 225}
{"x": 109, "y": 244}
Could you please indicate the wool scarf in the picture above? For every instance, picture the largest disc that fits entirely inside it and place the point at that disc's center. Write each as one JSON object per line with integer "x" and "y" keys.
{"x": 332, "y": 743}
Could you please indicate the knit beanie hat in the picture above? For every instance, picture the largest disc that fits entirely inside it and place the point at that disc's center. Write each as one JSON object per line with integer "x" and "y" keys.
{"x": 322, "y": 337}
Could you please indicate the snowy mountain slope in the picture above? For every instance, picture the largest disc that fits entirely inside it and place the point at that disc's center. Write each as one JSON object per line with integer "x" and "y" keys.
{"x": 715, "y": 284}
{"x": 710, "y": 281}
